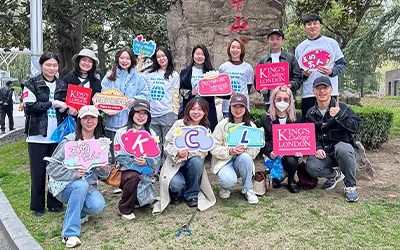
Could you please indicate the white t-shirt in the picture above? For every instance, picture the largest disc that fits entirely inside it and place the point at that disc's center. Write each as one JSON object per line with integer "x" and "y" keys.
{"x": 241, "y": 76}
{"x": 51, "y": 117}
{"x": 197, "y": 74}
{"x": 323, "y": 111}
{"x": 275, "y": 57}
{"x": 322, "y": 45}
{"x": 282, "y": 120}
{"x": 87, "y": 84}
{"x": 161, "y": 91}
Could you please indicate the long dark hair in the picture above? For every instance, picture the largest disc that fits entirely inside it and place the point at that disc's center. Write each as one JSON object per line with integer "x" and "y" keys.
{"x": 98, "y": 130}
{"x": 113, "y": 75}
{"x": 130, "y": 124}
{"x": 207, "y": 66}
{"x": 91, "y": 73}
{"x": 246, "y": 116}
{"x": 155, "y": 66}
{"x": 203, "y": 105}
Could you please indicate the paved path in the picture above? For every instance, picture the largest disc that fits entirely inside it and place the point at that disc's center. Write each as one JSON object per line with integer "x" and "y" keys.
{"x": 3, "y": 242}
{"x": 19, "y": 118}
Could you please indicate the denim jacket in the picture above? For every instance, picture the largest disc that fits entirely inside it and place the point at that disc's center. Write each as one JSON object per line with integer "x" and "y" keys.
{"x": 131, "y": 85}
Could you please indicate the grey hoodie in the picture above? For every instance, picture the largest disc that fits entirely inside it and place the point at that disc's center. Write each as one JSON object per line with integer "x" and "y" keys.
{"x": 58, "y": 173}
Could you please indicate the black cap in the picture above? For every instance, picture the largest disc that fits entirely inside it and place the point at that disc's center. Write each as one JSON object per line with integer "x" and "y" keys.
{"x": 139, "y": 105}
{"x": 276, "y": 31}
{"x": 322, "y": 80}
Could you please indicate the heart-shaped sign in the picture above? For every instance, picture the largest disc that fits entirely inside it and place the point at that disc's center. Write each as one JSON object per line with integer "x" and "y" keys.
{"x": 315, "y": 59}
{"x": 140, "y": 143}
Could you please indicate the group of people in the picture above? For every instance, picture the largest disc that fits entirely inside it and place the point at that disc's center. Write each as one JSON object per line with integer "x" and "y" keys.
{"x": 154, "y": 105}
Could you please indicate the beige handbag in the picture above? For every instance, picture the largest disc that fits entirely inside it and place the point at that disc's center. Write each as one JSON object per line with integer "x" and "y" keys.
{"x": 261, "y": 183}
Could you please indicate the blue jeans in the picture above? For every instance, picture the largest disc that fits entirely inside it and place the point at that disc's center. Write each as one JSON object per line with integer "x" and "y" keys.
{"x": 238, "y": 166}
{"x": 186, "y": 182}
{"x": 80, "y": 203}
{"x": 344, "y": 157}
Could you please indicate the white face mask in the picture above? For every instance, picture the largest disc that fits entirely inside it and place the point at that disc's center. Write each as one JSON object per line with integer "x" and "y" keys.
{"x": 281, "y": 106}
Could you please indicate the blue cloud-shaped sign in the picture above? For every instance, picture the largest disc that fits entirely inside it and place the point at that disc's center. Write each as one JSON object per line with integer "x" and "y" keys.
{"x": 141, "y": 46}
{"x": 193, "y": 138}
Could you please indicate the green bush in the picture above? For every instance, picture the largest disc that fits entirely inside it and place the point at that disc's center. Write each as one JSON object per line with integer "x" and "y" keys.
{"x": 374, "y": 128}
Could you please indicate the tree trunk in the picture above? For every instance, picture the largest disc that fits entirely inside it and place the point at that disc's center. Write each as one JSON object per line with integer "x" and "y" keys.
{"x": 101, "y": 53}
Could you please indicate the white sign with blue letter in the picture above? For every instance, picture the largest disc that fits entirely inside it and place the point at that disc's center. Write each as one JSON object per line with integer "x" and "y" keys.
{"x": 244, "y": 135}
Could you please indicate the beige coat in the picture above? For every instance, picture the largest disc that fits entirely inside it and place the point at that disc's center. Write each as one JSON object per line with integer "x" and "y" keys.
{"x": 206, "y": 198}
{"x": 220, "y": 152}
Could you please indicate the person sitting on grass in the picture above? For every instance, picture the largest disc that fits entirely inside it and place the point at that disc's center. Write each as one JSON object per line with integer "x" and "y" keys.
{"x": 231, "y": 163}
{"x": 183, "y": 175}
{"x": 78, "y": 187}
{"x": 335, "y": 124}
{"x": 131, "y": 168}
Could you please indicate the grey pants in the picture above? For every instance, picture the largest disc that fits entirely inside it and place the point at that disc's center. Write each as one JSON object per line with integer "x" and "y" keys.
{"x": 161, "y": 126}
{"x": 344, "y": 157}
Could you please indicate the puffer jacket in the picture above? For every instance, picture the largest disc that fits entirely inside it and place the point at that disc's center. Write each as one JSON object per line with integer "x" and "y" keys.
{"x": 331, "y": 130}
{"x": 57, "y": 172}
{"x": 220, "y": 152}
{"x": 36, "y": 111}
{"x": 133, "y": 86}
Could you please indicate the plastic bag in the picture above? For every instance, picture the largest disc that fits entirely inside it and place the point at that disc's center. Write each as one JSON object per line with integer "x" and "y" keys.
{"x": 275, "y": 167}
{"x": 65, "y": 128}
{"x": 145, "y": 191}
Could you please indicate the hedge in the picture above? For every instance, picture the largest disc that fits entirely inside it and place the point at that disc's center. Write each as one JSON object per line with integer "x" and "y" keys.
{"x": 374, "y": 128}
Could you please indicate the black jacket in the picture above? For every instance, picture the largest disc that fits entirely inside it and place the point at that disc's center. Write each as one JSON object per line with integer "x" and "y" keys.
{"x": 36, "y": 112}
{"x": 266, "y": 123}
{"x": 331, "y": 130}
{"x": 95, "y": 84}
{"x": 185, "y": 90}
{"x": 295, "y": 72}
{"x": 6, "y": 93}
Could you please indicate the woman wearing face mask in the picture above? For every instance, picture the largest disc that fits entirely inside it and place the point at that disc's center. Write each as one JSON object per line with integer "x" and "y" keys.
{"x": 123, "y": 77}
{"x": 189, "y": 79}
{"x": 282, "y": 112}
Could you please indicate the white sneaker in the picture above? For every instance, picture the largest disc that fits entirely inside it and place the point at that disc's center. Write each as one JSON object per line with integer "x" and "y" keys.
{"x": 117, "y": 191}
{"x": 251, "y": 197}
{"x": 72, "y": 241}
{"x": 127, "y": 216}
{"x": 224, "y": 193}
{"x": 84, "y": 219}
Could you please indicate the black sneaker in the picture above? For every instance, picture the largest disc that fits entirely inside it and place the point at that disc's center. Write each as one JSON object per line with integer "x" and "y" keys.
{"x": 192, "y": 202}
{"x": 39, "y": 213}
{"x": 276, "y": 183}
{"x": 331, "y": 183}
{"x": 56, "y": 209}
{"x": 176, "y": 200}
{"x": 293, "y": 188}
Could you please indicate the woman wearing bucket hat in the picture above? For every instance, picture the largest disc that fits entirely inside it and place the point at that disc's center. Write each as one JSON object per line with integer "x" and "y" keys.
{"x": 84, "y": 73}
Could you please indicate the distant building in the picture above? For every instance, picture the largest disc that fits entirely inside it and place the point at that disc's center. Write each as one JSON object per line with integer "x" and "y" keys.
{"x": 392, "y": 82}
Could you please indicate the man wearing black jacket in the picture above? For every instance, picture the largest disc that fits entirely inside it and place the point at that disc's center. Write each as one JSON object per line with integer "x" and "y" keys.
{"x": 335, "y": 124}
{"x": 6, "y": 106}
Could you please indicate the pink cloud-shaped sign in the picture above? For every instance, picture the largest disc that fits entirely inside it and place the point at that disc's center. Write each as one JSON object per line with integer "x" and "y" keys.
{"x": 140, "y": 143}
{"x": 86, "y": 153}
{"x": 315, "y": 59}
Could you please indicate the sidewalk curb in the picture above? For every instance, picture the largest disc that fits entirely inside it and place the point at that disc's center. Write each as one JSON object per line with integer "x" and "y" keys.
{"x": 11, "y": 132}
{"x": 14, "y": 230}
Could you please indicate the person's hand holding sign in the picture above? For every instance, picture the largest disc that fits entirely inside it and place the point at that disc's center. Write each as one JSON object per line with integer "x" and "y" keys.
{"x": 236, "y": 150}
{"x": 334, "y": 110}
{"x": 195, "y": 91}
{"x": 81, "y": 172}
{"x": 183, "y": 155}
{"x": 307, "y": 73}
{"x": 264, "y": 91}
{"x": 140, "y": 161}
{"x": 130, "y": 102}
{"x": 320, "y": 154}
{"x": 72, "y": 111}
{"x": 325, "y": 70}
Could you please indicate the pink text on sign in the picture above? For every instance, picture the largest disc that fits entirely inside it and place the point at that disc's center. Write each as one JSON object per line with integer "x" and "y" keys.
{"x": 272, "y": 75}
{"x": 217, "y": 86}
{"x": 289, "y": 139}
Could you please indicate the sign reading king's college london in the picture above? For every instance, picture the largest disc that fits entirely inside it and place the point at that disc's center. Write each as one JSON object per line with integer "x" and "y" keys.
{"x": 289, "y": 139}
{"x": 78, "y": 96}
{"x": 272, "y": 75}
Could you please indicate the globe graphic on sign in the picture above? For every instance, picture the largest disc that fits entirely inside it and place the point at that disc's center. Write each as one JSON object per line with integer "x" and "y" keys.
{"x": 157, "y": 93}
{"x": 235, "y": 86}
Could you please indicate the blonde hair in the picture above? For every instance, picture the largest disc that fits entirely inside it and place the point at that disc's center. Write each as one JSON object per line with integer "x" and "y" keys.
{"x": 290, "y": 111}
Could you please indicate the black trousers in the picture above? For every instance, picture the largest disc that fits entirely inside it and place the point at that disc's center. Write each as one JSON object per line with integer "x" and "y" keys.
{"x": 306, "y": 104}
{"x": 6, "y": 110}
{"x": 290, "y": 164}
{"x": 111, "y": 134}
{"x": 37, "y": 151}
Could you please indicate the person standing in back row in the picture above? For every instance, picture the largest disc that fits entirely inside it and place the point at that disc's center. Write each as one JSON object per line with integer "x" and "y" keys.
{"x": 318, "y": 55}
{"x": 6, "y": 106}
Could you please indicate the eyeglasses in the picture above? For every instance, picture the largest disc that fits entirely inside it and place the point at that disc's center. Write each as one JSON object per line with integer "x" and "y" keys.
{"x": 322, "y": 88}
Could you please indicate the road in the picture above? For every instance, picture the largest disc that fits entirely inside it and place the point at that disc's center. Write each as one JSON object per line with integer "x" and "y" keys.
{"x": 19, "y": 118}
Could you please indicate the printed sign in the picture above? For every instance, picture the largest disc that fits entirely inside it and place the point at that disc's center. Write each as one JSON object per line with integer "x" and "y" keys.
{"x": 315, "y": 59}
{"x": 289, "y": 139}
{"x": 78, "y": 96}
{"x": 86, "y": 153}
{"x": 244, "y": 135}
{"x": 140, "y": 143}
{"x": 193, "y": 138}
{"x": 272, "y": 75}
{"x": 215, "y": 84}
{"x": 140, "y": 46}
{"x": 111, "y": 101}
